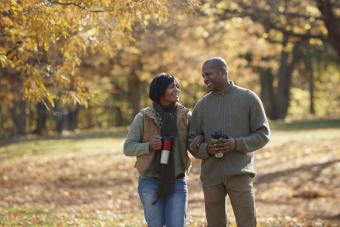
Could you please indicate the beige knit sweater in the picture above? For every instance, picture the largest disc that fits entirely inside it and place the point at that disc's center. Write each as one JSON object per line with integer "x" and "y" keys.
{"x": 239, "y": 113}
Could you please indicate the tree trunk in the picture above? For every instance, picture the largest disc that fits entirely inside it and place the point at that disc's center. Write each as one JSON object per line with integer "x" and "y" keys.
{"x": 332, "y": 22}
{"x": 267, "y": 92}
{"x": 72, "y": 118}
{"x": 66, "y": 118}
{"x": 119, "y": 96}
{"x": 283, "y": 89}
{"x": 309, "y": 71}
{"x": 18, "y": 115}
{"x": 286, "y": 68}
{"x": 118, "y": 118}
{"x": 135, "y": 94}
{"x": 1, "y": 121}
{"x": 89, "y": 118}
{"x": 41, "y": 118}
{"x": 59, "y": 126}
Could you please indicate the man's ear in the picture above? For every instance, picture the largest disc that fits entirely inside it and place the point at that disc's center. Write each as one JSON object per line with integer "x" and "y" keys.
{"x": 222, "y": 71}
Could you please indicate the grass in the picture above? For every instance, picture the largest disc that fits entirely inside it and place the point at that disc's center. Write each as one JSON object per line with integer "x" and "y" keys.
{"x": 84, "y": 180}
{"x": 54, "y": 147}
{"x": 299, "y": 125}
{"x": 39, "y": 216}
{"x": 30, "y": 216}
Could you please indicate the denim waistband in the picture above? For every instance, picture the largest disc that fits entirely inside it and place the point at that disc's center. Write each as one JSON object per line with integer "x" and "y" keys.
{"x": 179, "y": 176}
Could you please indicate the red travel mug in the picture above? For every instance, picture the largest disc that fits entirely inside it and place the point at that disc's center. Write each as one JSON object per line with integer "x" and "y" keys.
{"x": 167, "y": 146}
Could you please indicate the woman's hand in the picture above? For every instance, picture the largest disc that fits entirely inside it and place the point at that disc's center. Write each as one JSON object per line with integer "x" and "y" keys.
{"x": 195, "y": 142}
{"x": 155, "y": 143}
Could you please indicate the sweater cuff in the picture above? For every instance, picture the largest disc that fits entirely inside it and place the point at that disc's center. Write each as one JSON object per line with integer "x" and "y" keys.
{"x": 144, "y": 148}
{"x": 238, "y": 147}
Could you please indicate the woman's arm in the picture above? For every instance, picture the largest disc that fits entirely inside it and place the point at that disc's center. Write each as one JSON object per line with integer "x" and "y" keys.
{"x": 134, "y": 145}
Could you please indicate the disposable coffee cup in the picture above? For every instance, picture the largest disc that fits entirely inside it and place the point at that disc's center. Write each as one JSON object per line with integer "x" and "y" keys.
{"x": 220, "y": 154}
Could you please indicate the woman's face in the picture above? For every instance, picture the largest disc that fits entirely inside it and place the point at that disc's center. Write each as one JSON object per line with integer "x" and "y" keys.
{"x": 171, "y": 94}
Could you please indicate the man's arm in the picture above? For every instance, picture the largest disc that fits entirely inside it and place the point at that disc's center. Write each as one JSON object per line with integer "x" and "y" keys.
{"x": 260, "y": 132}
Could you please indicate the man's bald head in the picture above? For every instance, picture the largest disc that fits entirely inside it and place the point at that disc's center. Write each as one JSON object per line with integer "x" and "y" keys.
{"x": 215, "y": 74}
{"x": 217, "y": 63}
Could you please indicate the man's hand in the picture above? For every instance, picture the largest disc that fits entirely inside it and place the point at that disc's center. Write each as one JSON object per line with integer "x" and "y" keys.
{"x": 155, "y": 143}
{"x": 221, "y": 146}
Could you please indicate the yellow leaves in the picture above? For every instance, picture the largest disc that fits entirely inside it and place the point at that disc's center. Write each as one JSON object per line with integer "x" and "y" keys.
{"x": 6, "y": 60}
{"x": 222, "y": 5}
{"x": 47, "y": 33}
{"x": 6, "y": 22}
{"x": 74, "y": 98}
{"x": 3, "y": 61}
{"x": 46, "y": 45}
{"x": 35, "y": 90}
{"x": 312, "y": 10}
{"x": 9, "y": 5}
{"x": 30, "y": 45}
{"x": 315, "y": 42}
{"x": 236, "y": 20}
{"x": 133, "y": 50}
{"x": 307, "y": 26}
{"x": 89, "y": 34}
{"x": 201, "y": 32}
{"x": 74, "y": 49}
{"x": 62, "y": 79}
{"x": 46, "y": 24}
{"x": 230, "y": 5}
{"x": 145, "y": 76}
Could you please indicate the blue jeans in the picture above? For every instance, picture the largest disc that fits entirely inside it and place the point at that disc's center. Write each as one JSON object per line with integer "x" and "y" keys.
{"x": 172, "y": 211}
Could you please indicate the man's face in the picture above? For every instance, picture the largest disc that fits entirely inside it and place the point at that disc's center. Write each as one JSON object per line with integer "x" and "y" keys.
{"x": 213, "y": 77}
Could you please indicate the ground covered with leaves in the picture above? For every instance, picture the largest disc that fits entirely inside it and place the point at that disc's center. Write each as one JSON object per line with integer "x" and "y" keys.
{"x": 85, "y": 180}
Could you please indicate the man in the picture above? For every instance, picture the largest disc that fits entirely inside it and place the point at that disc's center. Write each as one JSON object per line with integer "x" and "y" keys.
{"x": 239, "y": 114}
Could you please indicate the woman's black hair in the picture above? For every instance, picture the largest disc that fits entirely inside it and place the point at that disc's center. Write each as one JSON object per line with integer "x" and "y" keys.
{"x": 159, "y": 84}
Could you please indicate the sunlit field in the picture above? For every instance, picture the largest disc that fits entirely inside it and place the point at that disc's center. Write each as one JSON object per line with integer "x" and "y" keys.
{"x": 85, "y": 180}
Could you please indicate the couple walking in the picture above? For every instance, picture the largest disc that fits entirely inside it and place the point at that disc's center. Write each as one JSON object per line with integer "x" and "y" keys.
{"x": 161, "y": 135}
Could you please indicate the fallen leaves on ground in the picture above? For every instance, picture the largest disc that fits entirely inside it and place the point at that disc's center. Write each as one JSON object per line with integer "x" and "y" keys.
{"x": 297, "y": 184}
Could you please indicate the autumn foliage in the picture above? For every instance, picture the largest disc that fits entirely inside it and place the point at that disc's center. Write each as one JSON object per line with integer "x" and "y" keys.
{"x": 68, "y": 65}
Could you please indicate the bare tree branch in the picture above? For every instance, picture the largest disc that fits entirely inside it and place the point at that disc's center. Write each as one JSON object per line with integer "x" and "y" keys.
{"x": 81, "y": 6}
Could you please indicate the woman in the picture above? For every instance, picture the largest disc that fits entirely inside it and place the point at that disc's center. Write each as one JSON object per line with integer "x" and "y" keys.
{"x": 162, "y": 183}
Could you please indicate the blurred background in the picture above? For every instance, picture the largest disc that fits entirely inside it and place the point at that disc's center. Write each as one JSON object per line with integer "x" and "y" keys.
{"x": 64, "y": 67}
{"x": 74, "y": 73}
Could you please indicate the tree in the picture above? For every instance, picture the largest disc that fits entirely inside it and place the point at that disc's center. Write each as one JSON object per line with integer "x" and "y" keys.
{"x": 287, "y": 24}
{"x": 42, "y": 44}
{"x": 44, "y": 41}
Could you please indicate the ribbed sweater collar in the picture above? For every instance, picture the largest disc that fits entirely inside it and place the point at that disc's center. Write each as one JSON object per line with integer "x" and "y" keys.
{"x": 226, "y": 91}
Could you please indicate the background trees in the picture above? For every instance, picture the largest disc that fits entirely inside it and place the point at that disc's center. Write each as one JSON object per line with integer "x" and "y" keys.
{"x": 292, "y": 28}
{"x": 84, "y": 64}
